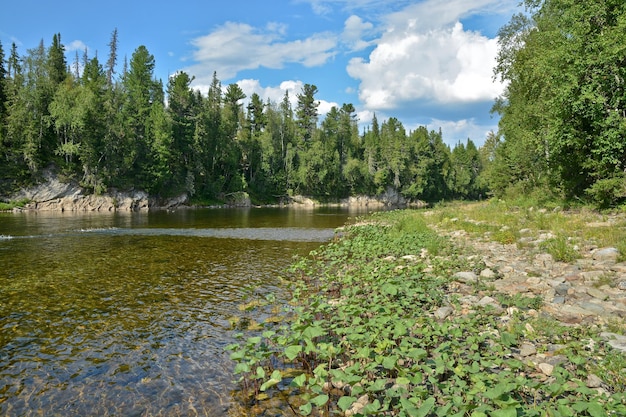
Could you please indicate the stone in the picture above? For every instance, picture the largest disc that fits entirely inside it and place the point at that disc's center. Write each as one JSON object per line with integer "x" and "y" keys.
{"x": 490, "y": 302}
{"x": 606, "y": 254}
{"x": 527, "y": 349}
{"x": 596, "y": 293}
{"x": 546, "y": 368}
{"x": 487, "y": 273}
{"x": 465, "y": 277}
{"x": 469, "y": 300}
{"x": 562, "y": 289}
{"x": 559, "y": 299}
{"x": 592, "y": 307}
{"x": 616, "y": 341}
{"x": 621, "y": 285}
{"x": 543, "y": 260}
{"x": 442, "y": 312}
{"x": 593, "y": 381}
{"x": 410, "y": 258}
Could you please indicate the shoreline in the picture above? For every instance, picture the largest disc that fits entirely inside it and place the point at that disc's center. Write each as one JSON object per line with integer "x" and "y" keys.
{"x": 54, "y": 195}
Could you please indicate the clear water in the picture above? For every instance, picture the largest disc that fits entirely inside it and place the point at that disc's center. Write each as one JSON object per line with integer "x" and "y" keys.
{"x": 128, "y": 313}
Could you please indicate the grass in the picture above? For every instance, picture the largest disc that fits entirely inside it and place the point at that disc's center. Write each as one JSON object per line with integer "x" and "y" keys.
{"x": 360, "y": 336}
{"x": 7, "y": 206}
{"x": 502, "y": 221}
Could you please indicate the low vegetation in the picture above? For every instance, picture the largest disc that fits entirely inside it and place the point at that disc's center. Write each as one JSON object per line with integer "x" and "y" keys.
{"x": 361, "y": 337}
{"x": 5, "y": 206}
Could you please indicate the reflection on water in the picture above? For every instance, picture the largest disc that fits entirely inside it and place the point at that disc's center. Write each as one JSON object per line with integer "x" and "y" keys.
{"x": 128, "y": 314}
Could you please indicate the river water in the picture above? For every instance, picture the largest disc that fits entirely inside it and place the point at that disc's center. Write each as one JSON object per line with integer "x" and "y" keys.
{"x": 128, "y": 313}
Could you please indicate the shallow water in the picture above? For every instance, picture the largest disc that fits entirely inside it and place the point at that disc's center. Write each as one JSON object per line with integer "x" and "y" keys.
{"x": 127, "y": 313}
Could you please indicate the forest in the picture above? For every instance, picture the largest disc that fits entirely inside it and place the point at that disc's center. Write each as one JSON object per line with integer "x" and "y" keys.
{"x": 129, "y": 131}
{"x": 562, "y": 128}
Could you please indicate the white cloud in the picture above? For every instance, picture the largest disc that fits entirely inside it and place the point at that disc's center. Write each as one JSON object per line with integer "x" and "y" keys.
{"x": 275, "y": 94}
{"x": 455, "y": 131}
{"x": 425, "y": 54}
{"x": 76, "y": 45}
{"x": 353, "y": 31}
{"x": 234, "y": 47}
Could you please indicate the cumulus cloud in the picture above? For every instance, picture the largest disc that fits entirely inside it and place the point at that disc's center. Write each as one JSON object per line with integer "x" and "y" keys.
{"x": 75, "y": 45}
{"x": 426, "y": 54}
{"x": 353, "y": 32}
{"x": 275, "y": 94}
{"x": 458, "y": 131}
{"x": 234, "y": 47}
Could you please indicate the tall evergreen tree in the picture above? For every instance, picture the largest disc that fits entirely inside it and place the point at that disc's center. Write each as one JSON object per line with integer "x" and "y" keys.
{"x": 142, "y": 91}
{"x": 57, "y": 64}
{"x": 112, "y": 61}
{"x": 306, "y": 112}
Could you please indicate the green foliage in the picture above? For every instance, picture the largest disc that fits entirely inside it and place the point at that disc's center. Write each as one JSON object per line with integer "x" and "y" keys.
{"x": 564, "y": 108}
{"x": 361, "y": 326}
{"x": 560, "y": 249}
{"x": 107, "y": 131}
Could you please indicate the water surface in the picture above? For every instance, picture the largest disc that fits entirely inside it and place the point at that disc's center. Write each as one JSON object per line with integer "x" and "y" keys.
{"x": 128, "y": 313}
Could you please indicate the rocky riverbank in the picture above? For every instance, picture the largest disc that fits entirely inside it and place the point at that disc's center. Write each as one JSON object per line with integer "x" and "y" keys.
{"x": 588, "y": 292}
{"x": 463, "y": 309}
{"x": 54, "y": 195}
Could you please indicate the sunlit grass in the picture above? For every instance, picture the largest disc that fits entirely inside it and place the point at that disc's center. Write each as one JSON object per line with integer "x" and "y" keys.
{"x": 502, "y": 222}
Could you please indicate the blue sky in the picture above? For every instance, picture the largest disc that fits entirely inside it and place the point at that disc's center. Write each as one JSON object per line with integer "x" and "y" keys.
{"x": 426, "y": 62}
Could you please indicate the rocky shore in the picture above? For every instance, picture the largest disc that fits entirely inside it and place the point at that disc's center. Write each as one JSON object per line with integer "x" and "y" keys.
{"x": 589, "y": 291}
{"x": 54, "y": 195}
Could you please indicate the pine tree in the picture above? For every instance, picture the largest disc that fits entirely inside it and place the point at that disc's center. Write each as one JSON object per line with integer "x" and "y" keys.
{"x": 306, "y": 112}
{"x": 110, "y": 65}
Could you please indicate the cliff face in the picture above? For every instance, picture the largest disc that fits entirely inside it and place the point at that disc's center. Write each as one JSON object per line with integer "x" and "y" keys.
{"x": 54, "y": 195}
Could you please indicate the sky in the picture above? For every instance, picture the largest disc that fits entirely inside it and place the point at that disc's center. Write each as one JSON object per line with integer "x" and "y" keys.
{"x": 424, "y": 62}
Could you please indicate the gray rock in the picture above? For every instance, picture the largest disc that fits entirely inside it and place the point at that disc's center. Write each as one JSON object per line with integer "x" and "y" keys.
{"x": 469, "y": 300}
{"x": 594, "y": 308}
{"x": 487, "y": 301}
{"x": 616, "y": 341}
{"x": 442, "y": 312}
{"x": 593, "y": 381}
{"x": 606, "y": 254}
{"x": 562, "y": 289}
{"x": 487, "y": 273}
{"x": 465, "y": 277}
{"x": 527, "y": 349}
{"x": 621, "y": 285}
{"x": 596, "y": 293}
{"x": 559, "y": 299}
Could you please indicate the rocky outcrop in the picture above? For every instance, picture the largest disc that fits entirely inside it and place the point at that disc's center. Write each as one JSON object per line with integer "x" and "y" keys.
{"x": 390, "y": 198}
{"x": 55, "y": 195}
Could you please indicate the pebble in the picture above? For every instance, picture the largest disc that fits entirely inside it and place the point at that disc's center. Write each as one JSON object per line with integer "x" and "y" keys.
{"x": 570, "y": 290}
{"x": 465, "y": 277}
{"x": 616, "y": 341}
{"x": 606, "y": 254}
{"x": 546, "y": 368}
{"x": 527, "y": 349}
{"x": 487, "y": 273}
{"x": 442, "y": 312}
{"x": 593, "y": 381}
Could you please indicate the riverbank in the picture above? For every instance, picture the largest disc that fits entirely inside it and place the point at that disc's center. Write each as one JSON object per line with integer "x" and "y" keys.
{"x": 52, "y": 194}
{"x": 483, "y": 309}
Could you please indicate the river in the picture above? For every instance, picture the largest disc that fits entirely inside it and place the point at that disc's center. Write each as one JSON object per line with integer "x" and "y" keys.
{"x": 129, "y": 313}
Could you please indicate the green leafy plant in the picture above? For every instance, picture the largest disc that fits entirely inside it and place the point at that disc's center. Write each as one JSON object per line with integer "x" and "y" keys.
{"x": 360, "y": 338}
